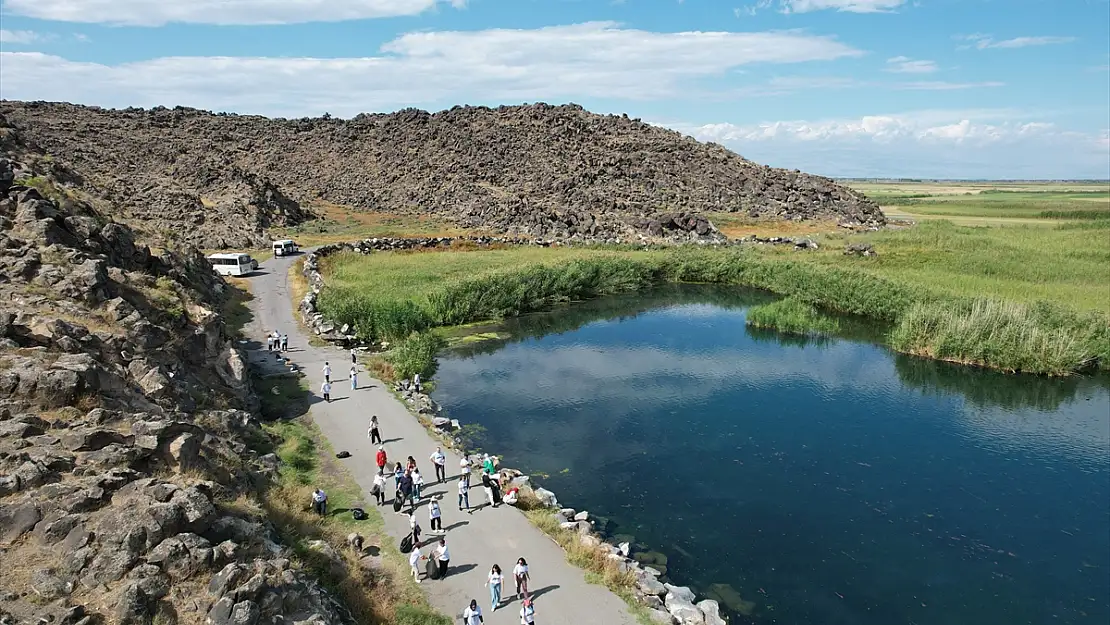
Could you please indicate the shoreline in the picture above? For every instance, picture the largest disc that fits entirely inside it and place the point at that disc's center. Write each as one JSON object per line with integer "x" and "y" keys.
{"x": 649, "y": 599}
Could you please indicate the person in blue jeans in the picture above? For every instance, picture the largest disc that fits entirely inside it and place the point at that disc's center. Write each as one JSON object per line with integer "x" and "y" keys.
{"x": 494, "y": 582}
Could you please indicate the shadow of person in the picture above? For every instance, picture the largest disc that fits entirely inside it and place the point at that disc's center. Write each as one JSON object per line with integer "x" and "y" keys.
{"x": 448, "y": 528}
{"x": 542, "y": 591}
{"x": 455, "y": 569}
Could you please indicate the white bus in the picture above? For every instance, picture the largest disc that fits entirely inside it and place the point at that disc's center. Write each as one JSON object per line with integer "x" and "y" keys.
{"x": 233, "y": 264}
{"x": 285, "y": 247}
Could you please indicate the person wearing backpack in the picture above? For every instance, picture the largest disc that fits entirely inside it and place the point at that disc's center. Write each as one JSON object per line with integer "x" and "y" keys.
{"x": 527, "y": 613}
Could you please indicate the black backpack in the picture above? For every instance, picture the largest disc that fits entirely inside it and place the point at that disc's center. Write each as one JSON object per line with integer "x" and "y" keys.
{"x": 406, "y": 544}
{"x": 343, "y": 454}
{"x": 358, "y": 513}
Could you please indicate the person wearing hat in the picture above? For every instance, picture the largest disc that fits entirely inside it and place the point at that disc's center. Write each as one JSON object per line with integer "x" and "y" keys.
{"x": 435, "y": 520}
{"x": 487, "y": 464}
{"x": 527, "y": 613}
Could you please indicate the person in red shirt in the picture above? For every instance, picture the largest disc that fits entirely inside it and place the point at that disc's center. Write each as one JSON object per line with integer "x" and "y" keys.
{"x": 381, "y": 458}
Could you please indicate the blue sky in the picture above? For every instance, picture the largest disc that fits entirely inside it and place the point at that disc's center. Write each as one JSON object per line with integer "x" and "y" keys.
{"x": 922, "y": 88}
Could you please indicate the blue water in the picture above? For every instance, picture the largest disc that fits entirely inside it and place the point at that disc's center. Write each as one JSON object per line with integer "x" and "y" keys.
{"x": 824, "y": 482}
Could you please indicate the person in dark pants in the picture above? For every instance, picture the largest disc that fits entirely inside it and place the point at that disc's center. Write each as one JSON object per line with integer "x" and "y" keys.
{"x": 375, "y": 436}
{"x": 443, "y": 557}
{"x": 379, "y": 487}
{"x": 405, "y": 486}
{"x": 325, "y": 390}
{"x": 464, "y": 494}
{"x": 320, "y": 502}
{"x": 439, "y": 461}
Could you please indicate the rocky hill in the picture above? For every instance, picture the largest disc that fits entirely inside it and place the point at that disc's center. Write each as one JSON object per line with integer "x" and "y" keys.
{"x": 125, "y": 413}
{"x": 221, "y": 180}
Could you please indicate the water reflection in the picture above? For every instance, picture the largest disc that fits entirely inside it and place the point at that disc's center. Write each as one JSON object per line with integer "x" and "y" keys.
{"x": 993, "y": 389}
{"x": 824, "y": 482}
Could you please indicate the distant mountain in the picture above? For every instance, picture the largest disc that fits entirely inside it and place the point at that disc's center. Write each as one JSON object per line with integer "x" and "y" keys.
{"x": 220, "y": 180}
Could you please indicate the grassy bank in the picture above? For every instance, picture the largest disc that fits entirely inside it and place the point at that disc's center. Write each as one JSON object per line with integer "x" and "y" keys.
{"x": 391, "y": 296}
{"x": 384, "y": 594}
{"x": 792, "y": 316}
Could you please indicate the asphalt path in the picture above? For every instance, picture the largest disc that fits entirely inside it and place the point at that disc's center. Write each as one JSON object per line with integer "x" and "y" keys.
{"x": 476, "y": 541}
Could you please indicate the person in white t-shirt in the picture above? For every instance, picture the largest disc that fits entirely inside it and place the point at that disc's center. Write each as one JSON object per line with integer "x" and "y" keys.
{"x": 439, "y": 461}
{"x": 434, "y": 515}
{"x": 472, "y": 615}
{"x": 414, "y": 562}
{"x": 443, "y": 558}
{"x": 520, "y": 576}
{"x": 327, "y": 372}
{"x": 527, "y": 613}
{"x": 379, "y": 487}
{"x": 464, "y": 495}
{"x": 325, "y": 390}
{"x": 493, "y": 580}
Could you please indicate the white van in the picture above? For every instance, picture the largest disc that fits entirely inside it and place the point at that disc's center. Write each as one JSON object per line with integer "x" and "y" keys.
{"x": 285, "y": 247}
{"x": 233, "y": 264}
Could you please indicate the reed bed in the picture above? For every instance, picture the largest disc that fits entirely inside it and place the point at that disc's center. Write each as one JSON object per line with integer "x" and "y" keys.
{"x": 792, "y": 316}
{"x": 1038, "y": 337}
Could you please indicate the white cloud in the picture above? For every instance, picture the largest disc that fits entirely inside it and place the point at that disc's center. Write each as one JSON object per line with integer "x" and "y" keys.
{"x": 977, "y": 143}
{"x": 159, "y": 12}
{"x": 850, "y": 6}
{"x": 19, "y": 36}
{"x": 906, "y": 65}
{"x": 984, "y": 42}
{"x": 599, "y": 60}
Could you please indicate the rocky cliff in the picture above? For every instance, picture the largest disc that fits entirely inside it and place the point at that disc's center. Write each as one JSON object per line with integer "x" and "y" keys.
{"x": 221, "y": 180}
{"x": 124, "y": 421}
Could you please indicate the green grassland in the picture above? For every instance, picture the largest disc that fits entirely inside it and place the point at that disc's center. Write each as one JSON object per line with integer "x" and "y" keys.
{"x": 1011, "y": 295}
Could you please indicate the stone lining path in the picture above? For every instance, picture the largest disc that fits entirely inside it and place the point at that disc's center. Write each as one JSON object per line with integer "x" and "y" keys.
{"x": 477, "y": 541}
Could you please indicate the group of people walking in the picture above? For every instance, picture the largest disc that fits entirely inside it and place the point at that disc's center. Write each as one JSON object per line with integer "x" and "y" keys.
{"x": 408, "y": 485}
{"x": 352, "y": 376}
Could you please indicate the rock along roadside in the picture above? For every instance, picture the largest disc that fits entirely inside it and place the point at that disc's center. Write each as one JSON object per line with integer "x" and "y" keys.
{"x": 477, "y": 541}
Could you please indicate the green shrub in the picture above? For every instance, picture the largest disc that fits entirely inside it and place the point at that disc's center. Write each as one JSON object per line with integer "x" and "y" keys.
{"x": 419, "y": 615}
{"x": 374, "y": 319}
{"x": 793, "y": 316}
{"x": 1001, "y": 335}
{"x": 537, "y": 287}
{"x": 416, "y": 354}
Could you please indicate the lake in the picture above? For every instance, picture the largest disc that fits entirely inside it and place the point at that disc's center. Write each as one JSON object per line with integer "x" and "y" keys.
{"x": 800, "y": 481}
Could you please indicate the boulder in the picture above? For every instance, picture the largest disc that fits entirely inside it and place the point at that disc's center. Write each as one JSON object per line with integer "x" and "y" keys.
{"x": 711, "y": 612}
{"x": 184, "y": 452}
{"x": 679, "y": 594}
{"x": 17, "y": 519}
{"x": 582, "y": 516}
{"x": 93, "y": 439}
{"x": 660, "y": 617}
{"x": 547, "y": 498}
{"x": 182, "y": 556}
{"x": 648, "y": 585}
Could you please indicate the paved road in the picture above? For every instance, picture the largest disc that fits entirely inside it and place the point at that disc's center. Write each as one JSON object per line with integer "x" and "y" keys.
{"x": 488, "y": 536}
